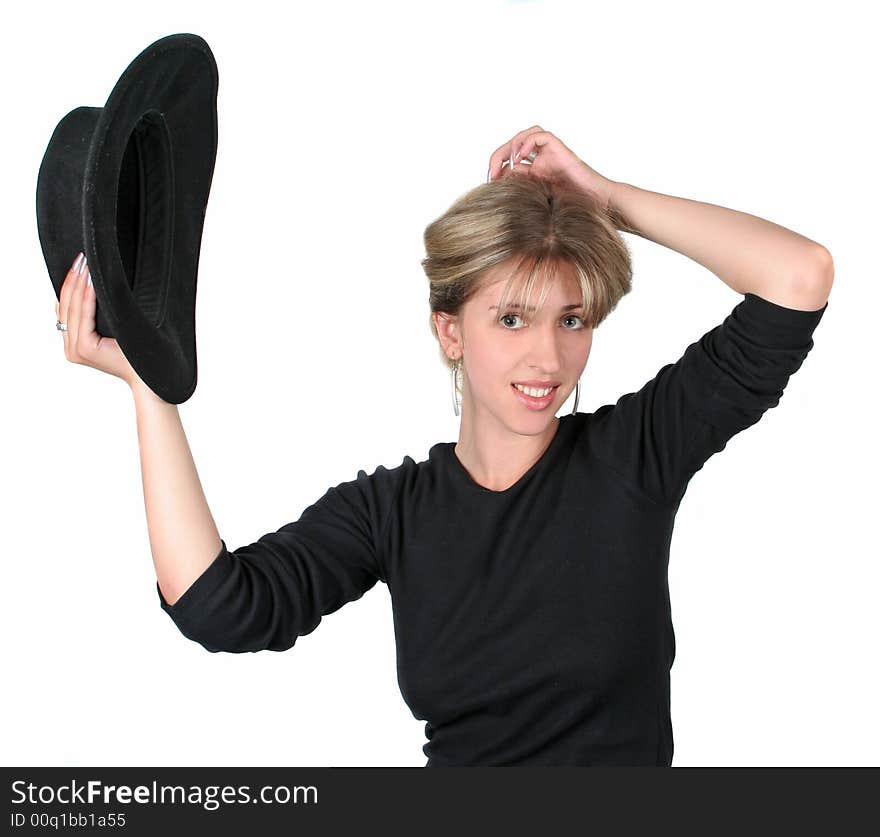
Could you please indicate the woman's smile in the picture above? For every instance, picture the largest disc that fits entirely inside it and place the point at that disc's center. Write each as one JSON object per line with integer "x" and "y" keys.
{"x": 534, "y": 402}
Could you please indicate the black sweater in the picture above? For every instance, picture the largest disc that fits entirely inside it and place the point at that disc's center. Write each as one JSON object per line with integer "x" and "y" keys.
{"x": 533, "y": 624}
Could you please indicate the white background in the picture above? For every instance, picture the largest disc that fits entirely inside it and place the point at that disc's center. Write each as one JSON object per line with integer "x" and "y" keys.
{"x": 344, "y": 129}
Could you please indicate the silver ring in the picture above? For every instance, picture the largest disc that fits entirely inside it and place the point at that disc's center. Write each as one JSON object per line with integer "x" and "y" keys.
{"x": 60, "y": 326}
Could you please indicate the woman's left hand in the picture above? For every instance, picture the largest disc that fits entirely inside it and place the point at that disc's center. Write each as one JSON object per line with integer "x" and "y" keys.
{"x": 552, "y": 160}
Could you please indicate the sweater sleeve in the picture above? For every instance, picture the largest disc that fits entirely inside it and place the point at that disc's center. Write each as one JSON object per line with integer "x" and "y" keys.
{"x": 266, "y": 595}
{"x": 660, "y": 436}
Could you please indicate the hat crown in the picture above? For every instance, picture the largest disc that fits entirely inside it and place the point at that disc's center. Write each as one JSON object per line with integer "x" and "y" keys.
{"x": 59, "y": 190}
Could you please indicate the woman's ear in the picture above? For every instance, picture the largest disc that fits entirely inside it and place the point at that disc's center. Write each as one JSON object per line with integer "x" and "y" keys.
{"x": 448, "y": 331}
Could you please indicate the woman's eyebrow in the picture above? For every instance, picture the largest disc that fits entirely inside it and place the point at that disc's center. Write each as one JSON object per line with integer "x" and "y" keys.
{"x": 532, "y": 307}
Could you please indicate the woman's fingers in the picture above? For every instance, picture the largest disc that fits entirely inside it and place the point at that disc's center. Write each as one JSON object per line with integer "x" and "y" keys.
{"x": 508, "y": 150}
{"x": 63, "y": 306}
{"x": 69, "y": 282}
{"x": 517, "y": 142}
{"x": 87, "y": 314}
{"x": 533, "y": 142}
{"x": 73, "y": 314}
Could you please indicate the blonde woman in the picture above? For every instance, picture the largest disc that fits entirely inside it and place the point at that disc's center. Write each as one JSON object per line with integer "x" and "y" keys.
{"x": 526, "y": 562}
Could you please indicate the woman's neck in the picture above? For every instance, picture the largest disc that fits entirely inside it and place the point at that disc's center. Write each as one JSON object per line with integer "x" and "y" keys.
{"x": 495, "y": 456}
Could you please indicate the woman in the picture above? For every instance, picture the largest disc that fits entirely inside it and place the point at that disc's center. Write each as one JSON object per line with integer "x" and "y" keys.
{"x": 527, "y": 563}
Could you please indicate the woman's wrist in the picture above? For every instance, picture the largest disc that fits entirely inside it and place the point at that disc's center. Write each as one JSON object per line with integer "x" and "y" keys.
{"x": 614, "y": 188}
{"x": 142, "y": 393}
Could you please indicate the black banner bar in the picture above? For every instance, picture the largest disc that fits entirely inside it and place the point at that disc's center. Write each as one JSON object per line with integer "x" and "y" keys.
{"x": 319, "y": 800}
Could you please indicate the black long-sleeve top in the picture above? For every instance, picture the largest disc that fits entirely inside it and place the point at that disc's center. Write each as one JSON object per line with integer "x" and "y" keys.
{"x": 533, "y": 624}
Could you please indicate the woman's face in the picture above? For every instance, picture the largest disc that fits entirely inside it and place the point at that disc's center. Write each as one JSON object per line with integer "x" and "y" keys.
{"x": 503, "y": 348}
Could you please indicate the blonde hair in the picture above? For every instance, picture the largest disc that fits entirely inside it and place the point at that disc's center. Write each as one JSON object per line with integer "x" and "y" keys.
{"x": 539, "y": 221}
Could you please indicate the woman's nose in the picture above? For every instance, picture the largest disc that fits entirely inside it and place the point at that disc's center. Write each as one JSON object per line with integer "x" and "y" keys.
{"x": 546, "y": 353}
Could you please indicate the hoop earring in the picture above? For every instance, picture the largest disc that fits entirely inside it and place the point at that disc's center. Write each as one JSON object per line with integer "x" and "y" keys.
{"x": 456, "y": 386}
{"x": 577, "y": 395}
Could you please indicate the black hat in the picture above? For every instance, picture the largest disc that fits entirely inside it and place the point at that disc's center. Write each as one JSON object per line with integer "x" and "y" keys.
{"x": 128, "y": 184}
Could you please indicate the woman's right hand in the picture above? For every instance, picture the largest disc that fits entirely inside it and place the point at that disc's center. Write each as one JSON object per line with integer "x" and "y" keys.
{"x": 82, "y": 343}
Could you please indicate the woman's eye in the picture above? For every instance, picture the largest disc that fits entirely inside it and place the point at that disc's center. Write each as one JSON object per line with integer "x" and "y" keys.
{"x": 579, "y": 319}
{"x": 507, "y": 316}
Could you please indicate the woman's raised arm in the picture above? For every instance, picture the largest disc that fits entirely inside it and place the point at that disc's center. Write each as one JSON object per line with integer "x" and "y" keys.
{"x": 183, "y": 536}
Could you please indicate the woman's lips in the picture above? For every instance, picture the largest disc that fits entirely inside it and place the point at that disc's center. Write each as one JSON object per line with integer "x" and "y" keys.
{"x": 535, "y": 403}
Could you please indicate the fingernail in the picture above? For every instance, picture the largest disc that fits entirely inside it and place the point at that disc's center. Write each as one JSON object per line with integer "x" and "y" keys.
{"x": 76, "y": 263}
{"x": 488, "y": 173}
{"x": 83, "y": 265}
{"x": 89, "y": 275}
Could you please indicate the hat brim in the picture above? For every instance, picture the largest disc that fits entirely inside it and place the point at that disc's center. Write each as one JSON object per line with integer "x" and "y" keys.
{"x": 151, "y": 159}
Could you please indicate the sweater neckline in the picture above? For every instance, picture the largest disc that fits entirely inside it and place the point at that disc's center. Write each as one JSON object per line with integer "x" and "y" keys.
{"x": 550, "y": 453}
